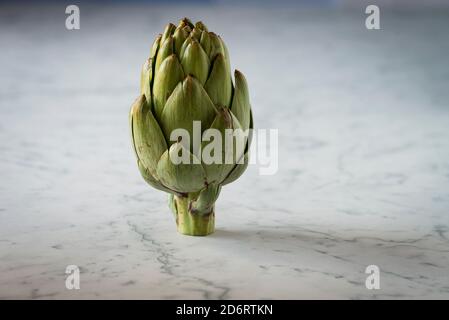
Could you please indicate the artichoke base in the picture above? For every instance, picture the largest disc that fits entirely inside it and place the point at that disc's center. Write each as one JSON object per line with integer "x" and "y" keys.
{"x": 192, "y": 224}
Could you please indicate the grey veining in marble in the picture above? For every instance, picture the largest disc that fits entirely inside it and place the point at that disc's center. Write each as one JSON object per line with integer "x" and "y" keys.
{"x": 363, "y": 158}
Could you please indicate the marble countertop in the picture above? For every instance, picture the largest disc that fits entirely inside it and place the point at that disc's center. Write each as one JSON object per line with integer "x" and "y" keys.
{"x": 363, "y": 178}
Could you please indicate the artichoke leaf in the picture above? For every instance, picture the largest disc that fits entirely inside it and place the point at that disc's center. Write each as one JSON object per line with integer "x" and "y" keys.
{"x": 179, "y": 37}
{"x": 240, "y": 101}
{"x": 225, "y": 49}
{"x": 242, "y": 164}
{"x": 237, "y": 171}
{"x": 169, "y": 75}
{"x": 146, "y": 78}
{"x": 155, "y": 47}
{"x": 188, "y": 102}
{"x": 148, "y": 140}
{"x": 251, "y": 127}
{"x": 130, "y": 119}
{"x": 184, "y": 46}
{"x": 180, "y": 176}
{"x": 168, "y": 32}
{"x": 186, "y": 21}
{"x": 195, "y": 61}
{"x": 146, "y": 175}
{"x": 216, "y": 46}
{"x": 205, "y": 42}
{"x": 200, "y": 25}
{"x": 165, "y": 50}
{"x": 196, "y": 33}
{"x": 219, "y": 163}
{"x": 219, "y": 85}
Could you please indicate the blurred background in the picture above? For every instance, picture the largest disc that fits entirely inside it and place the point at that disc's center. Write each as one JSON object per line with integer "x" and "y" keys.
{"x": 363, "y": 178}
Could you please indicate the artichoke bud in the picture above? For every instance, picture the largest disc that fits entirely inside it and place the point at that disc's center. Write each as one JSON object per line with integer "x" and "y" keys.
{"x": 186, "y": 90}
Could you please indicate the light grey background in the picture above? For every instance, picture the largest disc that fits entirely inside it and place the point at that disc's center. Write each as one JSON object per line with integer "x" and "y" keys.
{"x": 363, "y": 174}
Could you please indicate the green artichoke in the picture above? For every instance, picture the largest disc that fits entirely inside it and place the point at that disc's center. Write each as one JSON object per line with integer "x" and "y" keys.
{"x": 187, "y": 78}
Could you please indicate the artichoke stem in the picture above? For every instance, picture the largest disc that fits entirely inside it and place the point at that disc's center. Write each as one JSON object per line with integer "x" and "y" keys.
{"x": 192, "y": 224}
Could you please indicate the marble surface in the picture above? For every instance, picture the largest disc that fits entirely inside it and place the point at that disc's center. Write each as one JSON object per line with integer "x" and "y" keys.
{"x": 363, "y": 174}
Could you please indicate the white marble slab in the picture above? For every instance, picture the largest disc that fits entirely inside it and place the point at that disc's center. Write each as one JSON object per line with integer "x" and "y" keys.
{"x": 364, "y": 159}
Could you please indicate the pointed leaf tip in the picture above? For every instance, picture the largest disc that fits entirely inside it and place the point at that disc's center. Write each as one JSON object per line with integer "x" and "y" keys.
{"x": 186, "y": 21}
{"x": 155, "y": 47}
{"x": 196, "y": 33}
{"x": 169, "y": 30}
{"x": 200, "y": 25}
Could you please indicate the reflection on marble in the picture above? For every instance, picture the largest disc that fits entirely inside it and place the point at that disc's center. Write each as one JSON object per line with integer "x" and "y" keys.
{"x": 363, "y": 174}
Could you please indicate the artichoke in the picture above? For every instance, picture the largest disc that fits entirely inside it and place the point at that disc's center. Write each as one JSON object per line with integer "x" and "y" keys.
{"x": 187, "y": 79}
